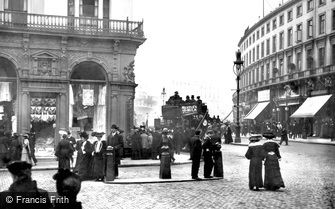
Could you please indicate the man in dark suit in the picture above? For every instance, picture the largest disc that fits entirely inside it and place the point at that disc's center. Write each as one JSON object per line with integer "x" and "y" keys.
{"x": 208, "y": 154}
{"x": 115, "y": 142}
{"x": 64, "y": 152}
{"x": 196, "y": 155}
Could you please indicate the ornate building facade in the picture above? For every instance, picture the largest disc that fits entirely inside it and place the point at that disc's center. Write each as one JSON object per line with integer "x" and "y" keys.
{"x": 289, "y": 56}
{"x": 72, "y": 70}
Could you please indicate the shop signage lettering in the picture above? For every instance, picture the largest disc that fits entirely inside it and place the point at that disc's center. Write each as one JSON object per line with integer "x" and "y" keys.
{"x": 189, "y": 109}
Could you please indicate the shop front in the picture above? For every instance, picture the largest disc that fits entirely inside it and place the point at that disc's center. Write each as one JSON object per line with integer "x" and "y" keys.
{"x": 8, "y": 95}
{"x": 87, "y": 99}
{"x": 317, "y": 113}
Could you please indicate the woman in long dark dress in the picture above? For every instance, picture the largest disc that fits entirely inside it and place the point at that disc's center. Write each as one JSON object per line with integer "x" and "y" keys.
{"x": 85, "y": 150}
{"x": 99, "y": 157}
{"x": 273, "y": 179}
{"x": 256, "y": 155}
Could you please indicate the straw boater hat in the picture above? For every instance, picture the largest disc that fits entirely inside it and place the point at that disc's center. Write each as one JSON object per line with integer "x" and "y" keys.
{"x": 255, "y": 138}
{"x": 62, "y": 131}
{"x": 269, "y": 135}
{"x": 99, "y": 134}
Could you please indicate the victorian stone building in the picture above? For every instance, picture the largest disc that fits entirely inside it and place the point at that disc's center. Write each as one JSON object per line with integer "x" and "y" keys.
{"x": 72, "y": 70}
{"x": 289, "y": 74}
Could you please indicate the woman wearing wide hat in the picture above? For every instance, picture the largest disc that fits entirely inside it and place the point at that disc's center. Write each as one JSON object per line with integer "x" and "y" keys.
{"x": 273, "y": 179}
{"x": 256, "y": 155}
{"x": 84, "y": 157}
{"x": 99, "y": 150}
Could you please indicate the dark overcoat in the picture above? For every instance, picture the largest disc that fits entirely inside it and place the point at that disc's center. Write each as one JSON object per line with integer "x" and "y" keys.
{"x": 85, "y": 160}
{"x": 256, "y": 155}
{"x": 116, "y": 142}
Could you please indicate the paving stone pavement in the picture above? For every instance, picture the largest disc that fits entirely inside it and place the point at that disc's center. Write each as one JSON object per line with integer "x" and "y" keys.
{"x": 307, "y": 170}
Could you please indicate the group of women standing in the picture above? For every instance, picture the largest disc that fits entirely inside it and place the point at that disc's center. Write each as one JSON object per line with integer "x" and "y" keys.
{"x": 268, "y": 151}
{"x": 90, "y": 163}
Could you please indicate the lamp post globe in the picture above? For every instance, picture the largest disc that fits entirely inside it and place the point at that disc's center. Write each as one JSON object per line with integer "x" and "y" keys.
{"x": 238, "y": 70}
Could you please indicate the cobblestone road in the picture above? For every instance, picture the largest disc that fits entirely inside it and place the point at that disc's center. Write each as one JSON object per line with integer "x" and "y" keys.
{"x": 307, "y": 170}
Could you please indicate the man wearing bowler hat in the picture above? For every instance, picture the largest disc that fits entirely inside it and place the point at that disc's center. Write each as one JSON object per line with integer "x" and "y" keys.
{"x": 23, "y": 187}
{"x": 115, "y": 142}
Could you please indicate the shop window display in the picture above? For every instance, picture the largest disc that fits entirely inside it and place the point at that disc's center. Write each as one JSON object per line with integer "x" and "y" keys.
{"x": 43, "y": 119}
{"x": 87, "y": 109}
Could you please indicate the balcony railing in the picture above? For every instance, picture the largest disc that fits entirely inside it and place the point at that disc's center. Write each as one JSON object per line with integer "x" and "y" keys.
{"x": 71, "y": 25}
{"x": 296, "y": 75}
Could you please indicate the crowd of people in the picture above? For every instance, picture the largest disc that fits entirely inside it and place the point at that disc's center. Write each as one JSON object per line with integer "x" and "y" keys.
{"x": 91, "y": 161}
{"x": 145, "y": 143}
{"x": 323, "y": 128}
{"x": 17, "y": 147}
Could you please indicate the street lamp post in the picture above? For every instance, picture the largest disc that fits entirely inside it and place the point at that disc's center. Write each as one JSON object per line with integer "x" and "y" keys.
{"x": 163, "y": 95}
{"x": 238, "y": 69}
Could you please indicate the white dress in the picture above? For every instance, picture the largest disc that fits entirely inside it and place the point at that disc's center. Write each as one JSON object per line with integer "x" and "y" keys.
{"x": 25, "y": 156}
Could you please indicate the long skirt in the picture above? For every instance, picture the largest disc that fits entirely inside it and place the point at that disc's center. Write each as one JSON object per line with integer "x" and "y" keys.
{"x": 85, "y": 168}
{"x": 273, "y": 179}
{"x": 98, "y": 167}
{"x": 64, "y": 162}
{"x": 218, "y": 166}
{"x": 255, "y": 173}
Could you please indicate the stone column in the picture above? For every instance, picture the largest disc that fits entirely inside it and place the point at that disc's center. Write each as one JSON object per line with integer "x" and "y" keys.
{"x": 114, "y": 113}
{"x": 25, "y": 112}
{"x": 62, "y": 115}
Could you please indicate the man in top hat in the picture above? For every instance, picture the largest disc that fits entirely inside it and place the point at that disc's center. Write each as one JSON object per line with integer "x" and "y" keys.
{"x": 115, "y": 142}
{"x": 23, "y": 187}
{"x": 99, "y": 151}
{"x": 64, "y": 152}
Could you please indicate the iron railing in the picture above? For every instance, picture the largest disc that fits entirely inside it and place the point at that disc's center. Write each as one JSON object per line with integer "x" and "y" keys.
{"x": 70, "y": 25}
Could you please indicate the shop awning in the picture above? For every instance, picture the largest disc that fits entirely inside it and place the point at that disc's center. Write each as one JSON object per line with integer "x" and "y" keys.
{"x": 256, "y": 110}
{"x": 311, "y": 106}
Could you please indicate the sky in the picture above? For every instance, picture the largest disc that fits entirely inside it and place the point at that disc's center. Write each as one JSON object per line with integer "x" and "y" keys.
{"x": 193, "y": 41}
